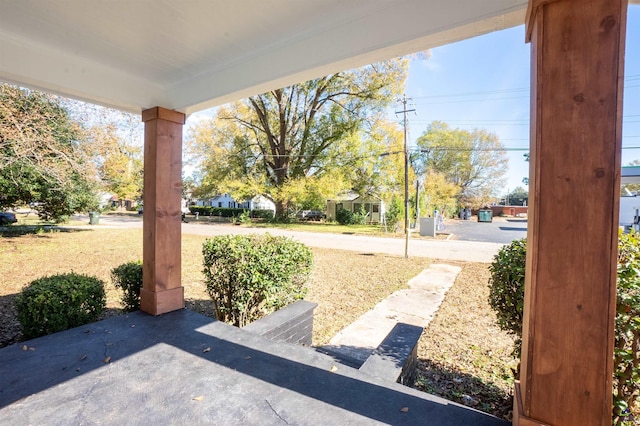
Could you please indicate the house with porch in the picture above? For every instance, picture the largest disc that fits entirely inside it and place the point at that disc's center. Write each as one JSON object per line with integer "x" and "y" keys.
{"x": 373, "y": 206}
{"x": 167, "y": 60}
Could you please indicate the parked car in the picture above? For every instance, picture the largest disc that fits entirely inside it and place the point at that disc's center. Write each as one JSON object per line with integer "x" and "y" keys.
{"x": 310, "y": 215}
{"x": 7, "y": 218}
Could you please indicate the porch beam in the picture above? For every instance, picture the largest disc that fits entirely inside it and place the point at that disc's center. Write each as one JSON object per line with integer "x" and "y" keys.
{"x": 162, "y": 290}
{"x": 577, "y": 56}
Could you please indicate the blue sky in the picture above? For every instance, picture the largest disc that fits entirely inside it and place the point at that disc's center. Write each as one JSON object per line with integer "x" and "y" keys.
{"x": 484, "y": 83}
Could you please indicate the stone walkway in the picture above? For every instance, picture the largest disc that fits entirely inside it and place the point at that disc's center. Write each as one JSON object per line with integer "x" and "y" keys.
{"x": 415, "y": 306}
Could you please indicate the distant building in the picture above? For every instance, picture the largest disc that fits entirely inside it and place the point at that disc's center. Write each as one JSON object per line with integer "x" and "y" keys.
{"x": 374, "y": 206}
{"x": 226, "y": 201}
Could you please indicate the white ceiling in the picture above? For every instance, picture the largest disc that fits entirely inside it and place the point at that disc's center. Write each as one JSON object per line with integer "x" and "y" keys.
{"x": 189, "y": 55}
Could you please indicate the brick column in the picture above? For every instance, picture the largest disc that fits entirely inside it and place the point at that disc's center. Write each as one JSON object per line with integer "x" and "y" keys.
{"x": 576, "y": 119}
{"x": 162, "y": 288}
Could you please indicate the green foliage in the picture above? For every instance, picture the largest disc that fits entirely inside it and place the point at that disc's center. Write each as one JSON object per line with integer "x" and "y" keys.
{"x": 128, "y": 278}
{"x": 344, "y": 217}
{"x": 41, "y": 159}
{"x": 51, "y": 304}
{"x": 394, "y": 211}
{"x": 626, "y": 363}
{"x": 322, "y": 125}
{"x": 506, "y": 293}
{"x": 475, "y": 161}
{"x": 507, "y": 300}
{"x": 249, "y": 276}
{"x": 262, "y": 214}
{"x": 216, "y": 211}
{"x": 360, "y": 217}
{"x": 245, "y": 217}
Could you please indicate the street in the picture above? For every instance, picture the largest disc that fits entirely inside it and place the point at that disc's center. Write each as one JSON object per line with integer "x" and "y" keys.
{"x": 453, "y": 249}
{"x": 501, "y": 230}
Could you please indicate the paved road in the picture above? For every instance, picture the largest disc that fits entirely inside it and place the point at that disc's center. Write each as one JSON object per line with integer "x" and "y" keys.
{"x": 472, "y": 251}
{"x": 501, "y": 230}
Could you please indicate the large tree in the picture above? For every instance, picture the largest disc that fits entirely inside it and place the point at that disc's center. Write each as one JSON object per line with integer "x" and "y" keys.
{"x": 41, "y": 159}
{"x": 475, "y": 161}
{"x": 118, "y": 160}
{"x": 291, "y": 140}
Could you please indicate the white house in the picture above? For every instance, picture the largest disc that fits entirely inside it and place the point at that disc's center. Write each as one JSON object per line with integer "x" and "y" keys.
{"x": 259, "y": 202}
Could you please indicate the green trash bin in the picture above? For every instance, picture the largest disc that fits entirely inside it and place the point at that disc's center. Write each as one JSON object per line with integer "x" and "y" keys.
{"x": 94, "y": 218}
{"x": 485, "y": 215}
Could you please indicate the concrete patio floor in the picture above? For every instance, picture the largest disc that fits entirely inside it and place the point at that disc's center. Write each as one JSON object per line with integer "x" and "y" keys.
{"x": 185, "y": 368}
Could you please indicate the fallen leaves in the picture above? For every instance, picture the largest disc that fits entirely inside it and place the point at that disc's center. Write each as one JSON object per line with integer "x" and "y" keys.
{"x": 205, "y": 350}
{"x": 107, "y": 360}
{"x": 404, "y": 410}
{"x": 333, "y": 369}
{"x": 198, "y": 398}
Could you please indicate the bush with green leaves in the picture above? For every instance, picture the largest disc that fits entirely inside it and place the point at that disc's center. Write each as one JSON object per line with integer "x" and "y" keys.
{"x": 262, "y": 214}
{"x": 344, "y": 217}
{"x": 216, "y": 211}
{"x": 245, "y": 217}
{"x": 250, "y": 276}
{"x": 51, "y": 304}
{"x": 626, "y": 363}
{"x": 394, "y": 211}
{"x": 506, "y": 297}
{"x": 128, "y": 278}
{"x": 506, "y": 292}
{"x": 360, "y": 217}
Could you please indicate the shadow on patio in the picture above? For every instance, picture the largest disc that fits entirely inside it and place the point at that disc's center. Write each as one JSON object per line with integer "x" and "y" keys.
{"x": 184, "y": 367}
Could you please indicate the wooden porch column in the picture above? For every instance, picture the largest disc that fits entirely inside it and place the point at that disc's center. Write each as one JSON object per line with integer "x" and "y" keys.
{"x": 162, "y": 287}
{"x": 577, "y": 60}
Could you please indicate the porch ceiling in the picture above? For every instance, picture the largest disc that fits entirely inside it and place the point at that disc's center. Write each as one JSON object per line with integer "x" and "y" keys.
{"x": 189, "y": 55}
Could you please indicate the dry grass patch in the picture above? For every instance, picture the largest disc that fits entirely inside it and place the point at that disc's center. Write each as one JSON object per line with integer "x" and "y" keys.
{"x": 463, "y": 355}
{"x": 345, "y": 285}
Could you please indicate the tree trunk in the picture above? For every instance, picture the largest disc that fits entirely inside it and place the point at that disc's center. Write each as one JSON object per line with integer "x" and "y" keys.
{"x": 281, "y": 209}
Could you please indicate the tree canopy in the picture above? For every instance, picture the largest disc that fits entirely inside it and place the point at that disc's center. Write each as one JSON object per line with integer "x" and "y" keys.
{"x": 41, "y": 158}
{"x": 474, "y": 161}
{"x": 119, "y": 162}
{"x": 302, "y": 143}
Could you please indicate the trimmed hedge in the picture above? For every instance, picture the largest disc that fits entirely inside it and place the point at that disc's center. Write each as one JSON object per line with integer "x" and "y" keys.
{"x": 216, "y": 211}
{"x": 262, "y": 214}
{"x": 250, "y": 276}
{"x": 51, "y": 304}
{"x": 128, "y": 278}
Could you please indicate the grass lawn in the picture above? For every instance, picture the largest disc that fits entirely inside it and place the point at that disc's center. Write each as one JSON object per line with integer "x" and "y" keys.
{"x": 329, "y": 227}
{"x": 463, "y": 356}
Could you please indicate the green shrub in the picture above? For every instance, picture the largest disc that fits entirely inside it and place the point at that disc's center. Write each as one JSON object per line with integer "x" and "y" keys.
{"x": 394, "y": 211}
{"x": 215, "y": 211}
{"x": 506, "y": 297}
{"x": 360, "y": 217}
{"x": 506, "y": 289}
{"x": 59, "y": 302}
{"x": 128, "y": 278}
{"x": 262, "y": 214}
{"x": 626, "y": 363}
{"x": 344, "y": 217}
{"x": 249, "y": 276}
{"x": 245, "y": 217}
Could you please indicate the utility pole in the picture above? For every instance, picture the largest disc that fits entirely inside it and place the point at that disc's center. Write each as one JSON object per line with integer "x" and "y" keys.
{"x": 404, "y": 111}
